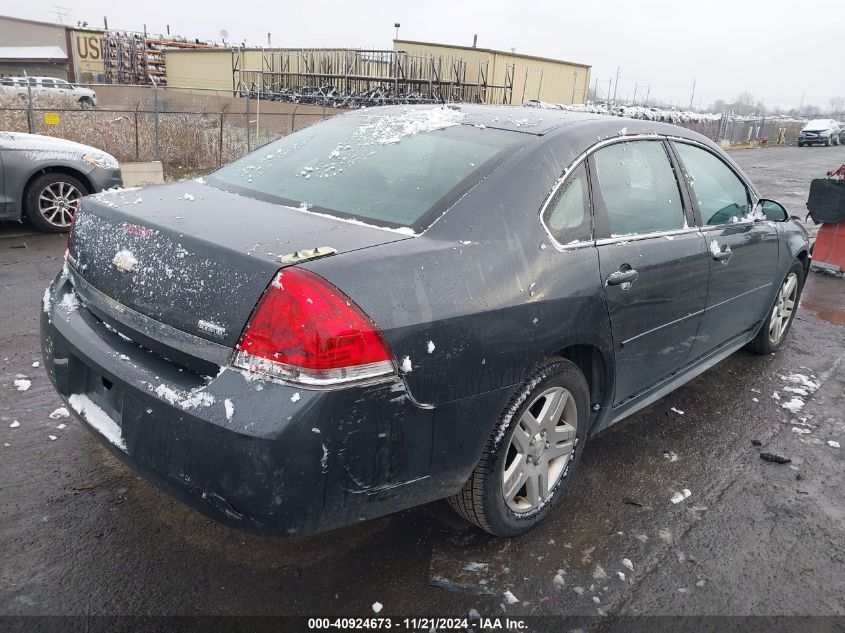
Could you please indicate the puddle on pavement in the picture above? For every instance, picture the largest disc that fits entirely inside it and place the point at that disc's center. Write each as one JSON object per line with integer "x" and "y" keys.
{"x": 825, "y": 297}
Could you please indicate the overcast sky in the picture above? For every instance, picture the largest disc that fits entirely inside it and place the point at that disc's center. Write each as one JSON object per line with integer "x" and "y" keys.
{"x": 727, "y": 46}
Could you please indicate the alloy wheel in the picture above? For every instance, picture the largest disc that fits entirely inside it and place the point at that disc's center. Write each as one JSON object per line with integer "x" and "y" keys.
{"x": 784, "y": 306}
{"x": 57, "y": 203}
{"x": 541, "y": 446}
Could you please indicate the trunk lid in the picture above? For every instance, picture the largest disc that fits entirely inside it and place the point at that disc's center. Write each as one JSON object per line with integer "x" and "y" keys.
{"x": 197, "y": 258}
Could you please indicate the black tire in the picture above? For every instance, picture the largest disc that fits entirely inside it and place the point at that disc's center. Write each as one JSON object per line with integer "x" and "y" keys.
{"x": 86, "y": 104}
{"x": 482, "y": 501}
{"x": 800, "y": 144}
{"x": 762, "y": 343}
{"x": 34, "y": 192}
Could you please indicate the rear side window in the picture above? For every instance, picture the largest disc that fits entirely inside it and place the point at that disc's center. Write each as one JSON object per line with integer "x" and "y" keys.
{"x": 722, "y": 197}
{"x": 568, "y": 215}
{"x": 639, "y": 188}
{"x": 397, "y": 170}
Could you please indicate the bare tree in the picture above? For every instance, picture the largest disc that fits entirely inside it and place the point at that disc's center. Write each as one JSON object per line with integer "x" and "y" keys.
{"x": 837, "y": 105}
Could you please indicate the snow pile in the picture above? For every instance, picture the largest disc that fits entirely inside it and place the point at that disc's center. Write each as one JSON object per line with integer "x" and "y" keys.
{"x": 802, "y": 380}
{"x": 794, "y": 405}
{"x": 69, "y": 302}
{"x": 98, "y": 419}
{"x": 510, "y": 598}
{"x": 680, "y": 496}
{"x": 125, "y": 261}
{"x": 197, "y": 398}
{"x": 61, "y": 412}
{"x": 22, "y": 384}
{"x": 390, "y": 129}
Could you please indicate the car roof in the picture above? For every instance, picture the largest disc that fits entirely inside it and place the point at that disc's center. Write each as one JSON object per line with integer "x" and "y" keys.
{"x": 539, "y": 121}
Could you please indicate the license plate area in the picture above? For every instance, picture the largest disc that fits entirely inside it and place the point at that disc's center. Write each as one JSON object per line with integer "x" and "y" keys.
{"x": 105, "y": 394}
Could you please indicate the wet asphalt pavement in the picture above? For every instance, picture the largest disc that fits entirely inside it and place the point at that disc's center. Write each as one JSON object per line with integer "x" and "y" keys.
{"x": 82, "y": 535}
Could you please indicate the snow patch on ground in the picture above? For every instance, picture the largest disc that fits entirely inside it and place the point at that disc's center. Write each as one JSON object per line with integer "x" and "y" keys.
{"x": 430, "y": 347}
{"x": 680, "y": 496}
{"x": 802, "y": 380}
{"x": 15, "y": 424}
{"x": 295, "y": 397}
{"x": 406, "y": 365}
{"x": 678, "y": 411}
{"x": 61, "y": 412}
{"x": 98, "y": 419}
{"x": 22, "y": 384}
{"x": 230, "y": 408}
{"x": 833, "y": 444}
{"x": 794, "y": 405}
{"x": 626, "y": 562}
{"x": 509, "y": 597}
{"x": 377, "y": 607}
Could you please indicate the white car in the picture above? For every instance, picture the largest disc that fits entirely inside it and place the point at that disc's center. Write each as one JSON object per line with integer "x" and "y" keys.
{"x": 48, "y": 87}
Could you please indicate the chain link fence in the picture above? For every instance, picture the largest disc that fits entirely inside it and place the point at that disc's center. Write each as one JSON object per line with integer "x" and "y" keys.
{"x": 197, "y": 129}
{"x": 183, "y": 129}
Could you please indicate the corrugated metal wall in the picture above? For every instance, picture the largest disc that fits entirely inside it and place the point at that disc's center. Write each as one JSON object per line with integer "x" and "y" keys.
{"x": 533, "y": 78}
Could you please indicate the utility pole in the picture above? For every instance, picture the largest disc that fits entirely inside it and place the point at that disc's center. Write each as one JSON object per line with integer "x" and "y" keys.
{"x": 616, "y": 85}
{"x": 595, "y": 88}
{"x": 692, "y": 96}
{"x": 801, "y": 105}
{"x": 396, "y": 26}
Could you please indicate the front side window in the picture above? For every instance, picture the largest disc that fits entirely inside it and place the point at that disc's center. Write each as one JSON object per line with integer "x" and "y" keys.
{"x": 722, "y": 197}
{"x": 639, "y": 188}
{"x": 47, "y": 83}
{"x": 568, "y": 215}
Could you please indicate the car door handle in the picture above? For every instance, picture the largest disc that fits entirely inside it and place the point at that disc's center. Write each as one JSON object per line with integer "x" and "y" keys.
{"x": 622, "y": 277}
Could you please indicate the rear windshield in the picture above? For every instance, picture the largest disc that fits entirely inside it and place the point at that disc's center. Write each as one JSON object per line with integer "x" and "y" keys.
{"x": 401, "y": 170}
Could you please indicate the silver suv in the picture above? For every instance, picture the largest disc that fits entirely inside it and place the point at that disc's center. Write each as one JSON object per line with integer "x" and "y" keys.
{"x": 50, "y": 87}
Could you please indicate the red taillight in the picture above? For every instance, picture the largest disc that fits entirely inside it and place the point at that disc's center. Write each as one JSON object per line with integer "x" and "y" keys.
{"x": 307, "y": 331}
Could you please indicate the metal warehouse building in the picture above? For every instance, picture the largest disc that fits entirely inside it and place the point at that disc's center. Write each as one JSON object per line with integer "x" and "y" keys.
{"x": 421, "y": 70}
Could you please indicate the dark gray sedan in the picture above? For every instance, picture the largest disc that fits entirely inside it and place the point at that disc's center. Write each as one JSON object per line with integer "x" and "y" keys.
{"x": 401, "y": 305}
{"x": 43, "y": 178}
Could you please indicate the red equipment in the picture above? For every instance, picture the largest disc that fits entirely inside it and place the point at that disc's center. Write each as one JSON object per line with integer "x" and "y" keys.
{"x": 829, "y": 248}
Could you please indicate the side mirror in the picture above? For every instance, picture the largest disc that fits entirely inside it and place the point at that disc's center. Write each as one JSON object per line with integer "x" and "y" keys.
{"x": 771, "y": 210}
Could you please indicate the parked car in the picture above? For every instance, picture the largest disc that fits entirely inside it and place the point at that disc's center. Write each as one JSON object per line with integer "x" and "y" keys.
{"x": 841, "y": 134}
{"x": 819, "y": 132}
{"x": 57, "y": 90}
{"x": 43, "y": 178}
{"x": 398, "y": 305}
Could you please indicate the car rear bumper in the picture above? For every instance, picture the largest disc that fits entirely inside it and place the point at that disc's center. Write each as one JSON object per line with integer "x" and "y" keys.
{"x": 284, "y": 460}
